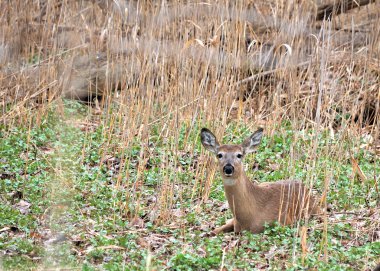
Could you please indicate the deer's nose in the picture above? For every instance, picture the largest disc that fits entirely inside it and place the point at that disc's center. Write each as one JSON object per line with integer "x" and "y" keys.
{"x": 228, "y": 169}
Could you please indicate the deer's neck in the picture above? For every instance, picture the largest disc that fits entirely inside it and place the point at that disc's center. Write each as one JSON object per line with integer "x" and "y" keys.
{"x": 242, "y": 196}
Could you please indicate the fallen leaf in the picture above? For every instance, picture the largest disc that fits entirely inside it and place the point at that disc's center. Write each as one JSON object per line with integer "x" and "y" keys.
{"x": 201, "y": 252}
{"x": 59, "y": 238}
{"x": 137, "y": 222}
{"x": 142, "y": 242}
{"x": 5, "y": 229}
{"x": 274, "y": 166}
{"x": 177, "y": 212}
{"x": 231, "y": 245}
{"x": 156, "y": 241}
{"x": 46, "y": 150}
{"x": 270, "y": 254}
{"x": 35, "y": 235}
{"x": 24, "y": 156}
{"x": 23, "y": 206}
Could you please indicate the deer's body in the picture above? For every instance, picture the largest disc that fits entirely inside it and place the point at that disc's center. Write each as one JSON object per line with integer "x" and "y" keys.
{"x": 254, "y": 205}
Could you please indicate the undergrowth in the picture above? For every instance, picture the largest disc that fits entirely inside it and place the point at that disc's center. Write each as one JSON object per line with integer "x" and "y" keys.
{"x": 74, "y": 195}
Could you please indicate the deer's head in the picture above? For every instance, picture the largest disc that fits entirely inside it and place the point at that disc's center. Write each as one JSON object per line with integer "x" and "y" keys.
{"x": 230, "y": 157}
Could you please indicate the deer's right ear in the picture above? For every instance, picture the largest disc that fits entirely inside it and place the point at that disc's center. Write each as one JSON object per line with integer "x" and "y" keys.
{"x": 250, "y": 144}
{"x": 209, "y": 141}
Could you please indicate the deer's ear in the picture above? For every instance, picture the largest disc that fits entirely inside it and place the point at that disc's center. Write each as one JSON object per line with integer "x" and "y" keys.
{"x": 209, "y": 141}
{"x": 250, "y": 144}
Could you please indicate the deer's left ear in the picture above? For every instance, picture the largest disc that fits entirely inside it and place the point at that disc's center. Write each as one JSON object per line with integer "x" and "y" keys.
{"x": 209, "y": 141}
{"x": 250, "y": 144}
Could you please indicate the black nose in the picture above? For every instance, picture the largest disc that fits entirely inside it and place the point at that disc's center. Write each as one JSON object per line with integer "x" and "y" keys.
{"x": 228, "y": 169}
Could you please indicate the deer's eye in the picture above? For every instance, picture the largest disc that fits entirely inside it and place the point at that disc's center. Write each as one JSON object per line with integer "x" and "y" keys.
{"x": 219, "y": 155}
{"x": 239, "y": 155}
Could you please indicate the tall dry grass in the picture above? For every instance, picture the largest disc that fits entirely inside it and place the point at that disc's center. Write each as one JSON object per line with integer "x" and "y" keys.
{"x": 182, "y": 54}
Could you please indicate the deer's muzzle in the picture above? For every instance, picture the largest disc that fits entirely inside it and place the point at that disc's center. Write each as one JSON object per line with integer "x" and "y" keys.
{"x": 228, "y": 169}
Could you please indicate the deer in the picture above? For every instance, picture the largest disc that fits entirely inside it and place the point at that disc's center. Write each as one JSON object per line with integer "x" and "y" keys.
{"x": 254, "y": 205}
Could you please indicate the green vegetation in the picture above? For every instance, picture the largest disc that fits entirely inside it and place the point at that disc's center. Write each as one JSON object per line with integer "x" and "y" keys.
{"x": 73, "y": 196}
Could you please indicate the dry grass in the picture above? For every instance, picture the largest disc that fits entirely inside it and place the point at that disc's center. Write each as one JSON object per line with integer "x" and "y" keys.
{"x": 176, "y": 64}
{"x": 181, "y": 56}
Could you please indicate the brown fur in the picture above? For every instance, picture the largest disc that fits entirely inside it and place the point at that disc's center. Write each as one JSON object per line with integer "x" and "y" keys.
{"x": 254, "y": 205}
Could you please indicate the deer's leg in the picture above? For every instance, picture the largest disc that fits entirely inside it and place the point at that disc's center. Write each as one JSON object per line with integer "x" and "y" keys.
{"x": 228, "y": 227}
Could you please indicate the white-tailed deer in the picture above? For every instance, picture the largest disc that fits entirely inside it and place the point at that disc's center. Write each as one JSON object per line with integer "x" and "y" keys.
{"x": 253, "y": 205}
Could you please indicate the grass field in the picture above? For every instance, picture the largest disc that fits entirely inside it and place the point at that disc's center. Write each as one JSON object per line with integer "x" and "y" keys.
{"x": 122, "y": 182}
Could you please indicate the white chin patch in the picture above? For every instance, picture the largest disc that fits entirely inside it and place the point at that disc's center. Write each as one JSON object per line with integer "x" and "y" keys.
{"x": 229, "y": 181}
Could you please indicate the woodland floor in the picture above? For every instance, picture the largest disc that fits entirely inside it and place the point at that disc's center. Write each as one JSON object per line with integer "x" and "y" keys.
{"x": 66, "y": 202}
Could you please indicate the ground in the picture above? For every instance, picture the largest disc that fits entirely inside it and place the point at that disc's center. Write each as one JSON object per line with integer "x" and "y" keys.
{"x": 74, "y": 194}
